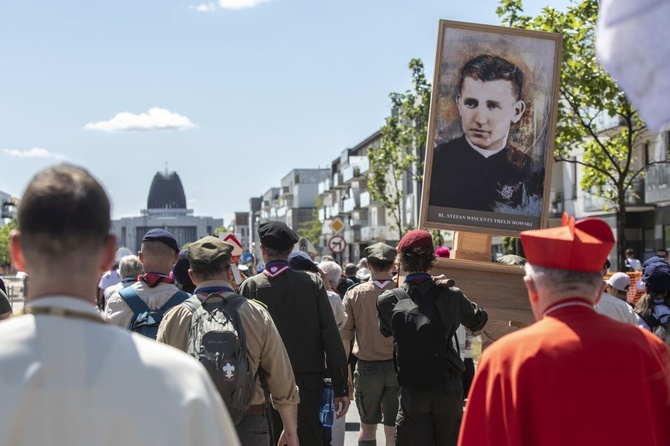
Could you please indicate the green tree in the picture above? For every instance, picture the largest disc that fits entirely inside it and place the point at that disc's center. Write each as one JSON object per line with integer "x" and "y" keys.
{"x": 402, "y": 145}
{"x": 220, "y": 230}
{"x": 587, "y": 96}
{"x": 5, "y": 259}
{"x": 311, "y": 229}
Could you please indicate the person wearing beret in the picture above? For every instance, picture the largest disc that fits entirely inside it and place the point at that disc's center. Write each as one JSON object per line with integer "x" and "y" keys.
{"x": 299, "y": 306}
{"x": 574, "y": 376}
{"x": 158, "y": 253}
{"x": 431, "y": 405}
{"x": 209, "y": 268}
{"x": 375, "y": 384}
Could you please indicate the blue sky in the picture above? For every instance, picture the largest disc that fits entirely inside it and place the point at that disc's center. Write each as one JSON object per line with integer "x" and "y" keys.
{"x": 231, "y": 94}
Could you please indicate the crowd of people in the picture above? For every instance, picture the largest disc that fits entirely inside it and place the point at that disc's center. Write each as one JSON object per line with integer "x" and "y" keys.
{"x": 174, "y": 346}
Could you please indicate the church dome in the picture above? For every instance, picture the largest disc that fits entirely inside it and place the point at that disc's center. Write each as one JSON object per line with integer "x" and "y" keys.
{"x": 166, "y": 192}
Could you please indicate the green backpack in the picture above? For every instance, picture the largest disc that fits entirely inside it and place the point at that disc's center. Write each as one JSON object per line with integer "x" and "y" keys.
{"x": 216, "y": 339}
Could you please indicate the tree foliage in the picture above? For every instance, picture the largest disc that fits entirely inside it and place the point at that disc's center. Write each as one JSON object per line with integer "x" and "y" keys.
{"x": 5, "y": 259}
{"x": 589, "y": 96}
{"x": 311, "y": 229}
{"x": 403, "y": 139}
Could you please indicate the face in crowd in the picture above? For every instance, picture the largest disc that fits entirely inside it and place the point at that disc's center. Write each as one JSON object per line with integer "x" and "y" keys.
{"x": 490, "y": 100}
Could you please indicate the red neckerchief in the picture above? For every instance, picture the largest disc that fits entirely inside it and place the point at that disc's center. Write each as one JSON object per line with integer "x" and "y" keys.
{"x": 275, "y": 269}
{"x": 154, "y": 279}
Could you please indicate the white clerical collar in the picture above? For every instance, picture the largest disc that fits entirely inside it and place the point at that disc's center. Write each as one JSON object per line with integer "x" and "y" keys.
{"x": 486, "y": 152}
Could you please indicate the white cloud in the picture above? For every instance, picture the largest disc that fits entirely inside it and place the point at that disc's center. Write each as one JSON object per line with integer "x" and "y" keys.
{"x": 240, "y": 4}
{"x": 35, "y": 152}
{"x": 204, "y": 7}
{"x": 228, "y": 4}
{"x": 155, "y": 119}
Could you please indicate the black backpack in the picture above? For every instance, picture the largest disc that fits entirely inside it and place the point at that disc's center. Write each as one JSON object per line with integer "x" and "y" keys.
{"x": 216, "y": 339}
{"x": 420, "y": 342}
{"x": 146, "y": 320}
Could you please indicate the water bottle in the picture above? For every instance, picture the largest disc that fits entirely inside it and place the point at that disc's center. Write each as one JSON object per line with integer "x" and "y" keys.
{"x": 327, "y": 413}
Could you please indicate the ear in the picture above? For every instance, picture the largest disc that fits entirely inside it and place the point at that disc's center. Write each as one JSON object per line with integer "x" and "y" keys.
{"x": 108, "y": 253}
{"x": 175, "y": 258}
{"x": 16, "y": 252}
{"x": 600, "y": 292}
{"x": 533, "y": 297}
{"x": 519, "y": 109}
{"x": 190, "y": 274}
{"x": 141, "y": 256}
{"x": 458, "y": 103}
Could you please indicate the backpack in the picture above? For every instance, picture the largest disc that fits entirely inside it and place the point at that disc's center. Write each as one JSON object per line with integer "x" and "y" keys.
{"x": 146, "y": 320}
{"x": 421, "y": 345}
{"x": 661, "y": 330}
{"x": 216, "y": 339}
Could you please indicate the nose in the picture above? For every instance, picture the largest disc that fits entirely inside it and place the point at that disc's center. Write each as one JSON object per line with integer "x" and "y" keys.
{"x": 480, "y": 116}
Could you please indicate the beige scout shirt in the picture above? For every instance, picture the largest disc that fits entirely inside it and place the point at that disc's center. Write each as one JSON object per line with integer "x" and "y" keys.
{"x": 264, "y": 347}
{"x": 360, "y": 304}
{"x": 119, "y": 313}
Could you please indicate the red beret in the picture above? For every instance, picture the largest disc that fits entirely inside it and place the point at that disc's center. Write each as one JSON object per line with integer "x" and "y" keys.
{"x": 415, "y": 238}
{"x": 580, "y": 246}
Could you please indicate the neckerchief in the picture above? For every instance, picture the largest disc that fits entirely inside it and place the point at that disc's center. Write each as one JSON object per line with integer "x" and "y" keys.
{"x": 417, "y": 278}
{"x": 207, "y": 290}
{"x": 154, "y": 279}
{"x": 381, "y": 283}
{"x": 276, "y": 268}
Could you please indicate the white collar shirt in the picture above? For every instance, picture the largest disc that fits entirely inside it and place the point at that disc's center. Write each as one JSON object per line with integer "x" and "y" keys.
{"x": 616, "y": 309}
{"x": 68, "y": 380}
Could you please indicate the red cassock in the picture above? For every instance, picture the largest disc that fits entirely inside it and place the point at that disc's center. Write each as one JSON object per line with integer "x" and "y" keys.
{"x": 573, "y": 378}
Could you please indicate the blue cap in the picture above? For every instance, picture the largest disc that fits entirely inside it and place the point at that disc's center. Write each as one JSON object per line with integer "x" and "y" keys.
{"x": 657, "y": 277}
{"x": 651, "y": 260}
{"x": 163, "y": 236}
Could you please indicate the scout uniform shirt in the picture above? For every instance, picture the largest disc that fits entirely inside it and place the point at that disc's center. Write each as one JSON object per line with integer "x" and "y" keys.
{"x": 264, "y": 346}
{"x": 360, "y": 304}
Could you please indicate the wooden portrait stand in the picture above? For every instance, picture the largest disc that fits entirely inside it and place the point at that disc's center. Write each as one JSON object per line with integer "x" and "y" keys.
{"x": 498, "y": 288}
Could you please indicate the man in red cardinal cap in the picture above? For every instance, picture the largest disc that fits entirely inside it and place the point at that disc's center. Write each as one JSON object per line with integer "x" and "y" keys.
{"x": 575, "y": 376}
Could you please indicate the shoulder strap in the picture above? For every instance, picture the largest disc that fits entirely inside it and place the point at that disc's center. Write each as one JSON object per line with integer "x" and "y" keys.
{"x": 192, "y": 303}
{"x": 133, "y": 300}
{"x": 649, "y": 319}
{"x": 176, "y": 299}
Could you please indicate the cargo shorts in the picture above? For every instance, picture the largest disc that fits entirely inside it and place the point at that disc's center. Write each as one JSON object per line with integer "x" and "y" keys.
{"x": 376, "y": 390}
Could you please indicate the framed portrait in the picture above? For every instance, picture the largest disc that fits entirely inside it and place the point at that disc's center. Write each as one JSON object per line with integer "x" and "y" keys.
{"x": 491, "y": 129}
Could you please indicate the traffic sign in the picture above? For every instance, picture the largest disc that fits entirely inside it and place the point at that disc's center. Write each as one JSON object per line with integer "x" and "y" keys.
{"x": 337, "y": 244}
{"x": 337, "y": 225}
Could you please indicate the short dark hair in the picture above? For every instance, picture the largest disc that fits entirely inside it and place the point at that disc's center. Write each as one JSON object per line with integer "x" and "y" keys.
{"x": 630, "y": 251}
{"x": 487, "y": 68}
{"x": 209, "y": 271}
{"x": 662, "y": 250}
{"x": 418, "y": 259}
{"x": 63, "y": 210}
{"x": 380, "y": 265}
{"x": 276, "y": 254}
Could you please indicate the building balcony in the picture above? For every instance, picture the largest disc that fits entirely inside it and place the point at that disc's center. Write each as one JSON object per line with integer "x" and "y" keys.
{"x": 365, "y": 199}
{"x": 350, "y": 204}
{"x": 337, "y": 180}
{"x": 635, "y": 197}
{"x": 657, "y": 183}
{"x": 322, "y": 214}
{"x": 374, "y": 234}
{"x": 364, "y": 166}
{"x": 352, "y": 235}
{"x": 324, "y": 186}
